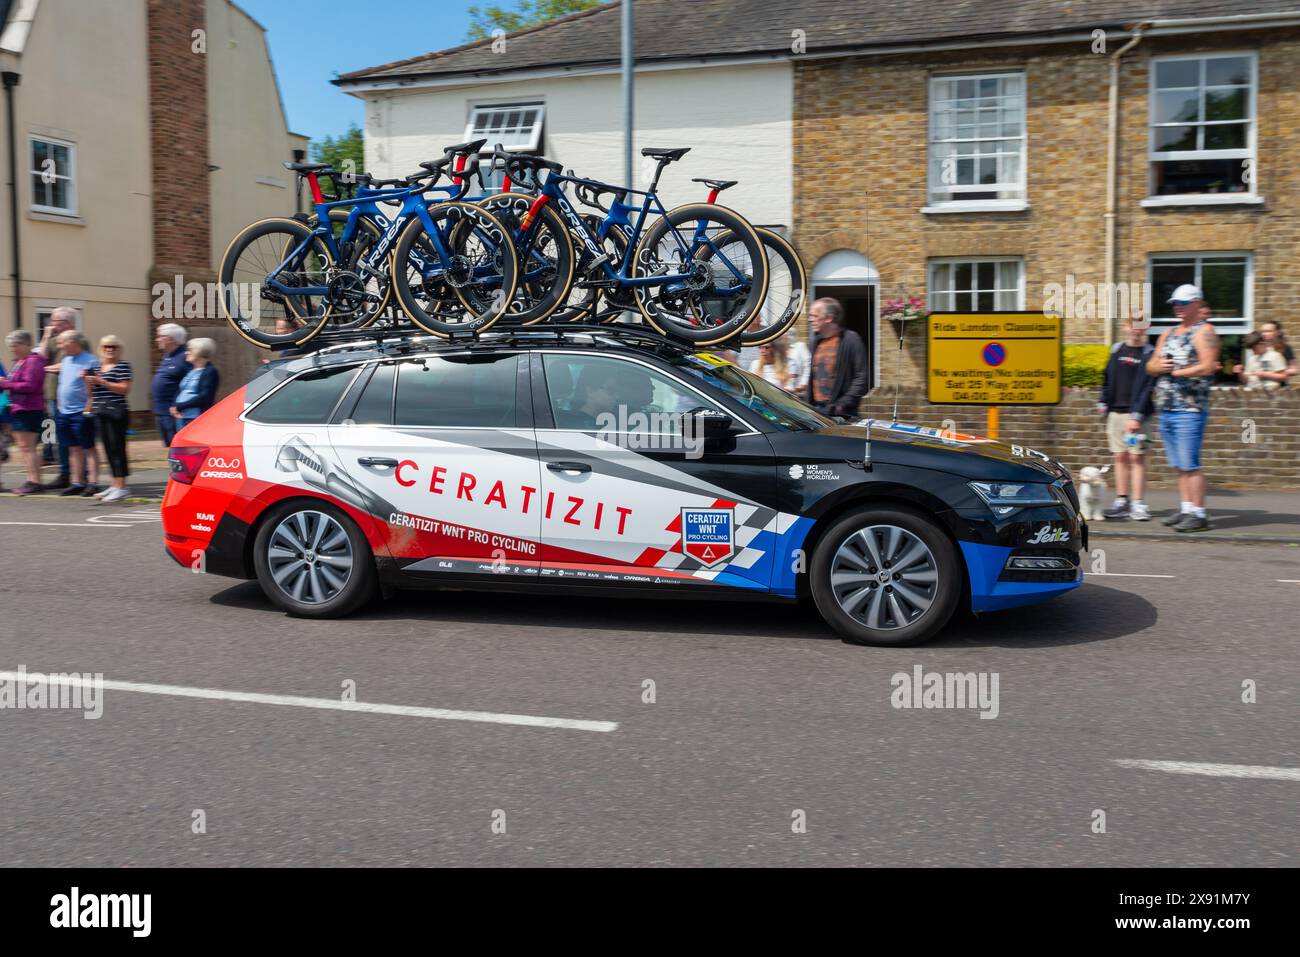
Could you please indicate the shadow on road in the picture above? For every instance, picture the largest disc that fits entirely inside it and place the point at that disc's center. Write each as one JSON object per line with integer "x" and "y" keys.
{"x": 1093, "y": 613}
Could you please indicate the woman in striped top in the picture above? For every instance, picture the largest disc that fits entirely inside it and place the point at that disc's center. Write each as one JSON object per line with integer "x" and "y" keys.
{"x": 109, "y": 383}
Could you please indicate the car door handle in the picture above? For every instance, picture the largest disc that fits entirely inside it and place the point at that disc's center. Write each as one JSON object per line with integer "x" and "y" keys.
{"x": 575, "y": 468}
{"x": 374, "y": 463}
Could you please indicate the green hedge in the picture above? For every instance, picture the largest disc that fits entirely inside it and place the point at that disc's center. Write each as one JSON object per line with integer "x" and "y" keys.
{"x": 1085, "y": 365}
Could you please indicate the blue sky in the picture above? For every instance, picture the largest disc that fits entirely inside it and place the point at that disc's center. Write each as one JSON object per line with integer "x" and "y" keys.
{"x": 309, "y": 44}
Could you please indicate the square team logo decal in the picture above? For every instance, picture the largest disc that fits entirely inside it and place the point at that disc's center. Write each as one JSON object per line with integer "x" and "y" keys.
{"x": 708, "y": 534}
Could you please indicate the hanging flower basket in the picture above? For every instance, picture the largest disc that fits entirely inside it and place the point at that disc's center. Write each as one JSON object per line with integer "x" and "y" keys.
{"x": 902, "y": 311}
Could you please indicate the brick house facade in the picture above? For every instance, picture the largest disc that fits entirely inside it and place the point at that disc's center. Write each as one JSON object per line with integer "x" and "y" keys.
{"x": 861, "y": 133}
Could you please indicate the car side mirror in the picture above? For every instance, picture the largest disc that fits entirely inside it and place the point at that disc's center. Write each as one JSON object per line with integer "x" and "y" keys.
{"x": 711, "y": 425}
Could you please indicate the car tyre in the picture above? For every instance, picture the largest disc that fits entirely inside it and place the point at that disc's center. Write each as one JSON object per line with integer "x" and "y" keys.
{"x": 313, "y": 561}
{"x": 886, "y": 576}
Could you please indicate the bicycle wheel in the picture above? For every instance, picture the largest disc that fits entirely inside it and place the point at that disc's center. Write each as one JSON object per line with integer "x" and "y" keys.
{"x": 592, "y": 299}
{"x": 476, "y": 264}
{"x": 546, "y": 266}
{"x": 260, "y": 262}
{"x": 787, "y": 286}
{"x": 358, "y": 296}
{"x": 704, "y": 299}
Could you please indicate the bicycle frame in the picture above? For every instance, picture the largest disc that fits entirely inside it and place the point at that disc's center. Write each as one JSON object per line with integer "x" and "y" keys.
{"x": 619, "y": 217}
{"x": 366, "y": 203}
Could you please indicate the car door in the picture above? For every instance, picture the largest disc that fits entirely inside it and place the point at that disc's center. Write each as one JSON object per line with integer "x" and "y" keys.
{"x": 446, "y": 442}
{"x": 631, "y": 493}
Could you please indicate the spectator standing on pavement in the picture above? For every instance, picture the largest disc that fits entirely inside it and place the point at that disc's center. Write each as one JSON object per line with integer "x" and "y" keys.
{"x": 1184, "y": 362}
{"x": 110, "y": 384}
{"x": 198, "y": 390}
{"x": 76, "y": 428}
{"x": 170, "y": 339}
{"x": 838, "y": 377}
{"x": 783, "y": 363}
{"x": 25, "y": 385}
{"x": 1265, "y": 366}
{"x": 61, "y": 320}
{"x": 1271, "y": 332}
{"x": 1126, "y": 403}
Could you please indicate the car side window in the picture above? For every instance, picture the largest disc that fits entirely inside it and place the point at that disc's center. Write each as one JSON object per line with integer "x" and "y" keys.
{"x": 470, "y": 391}
{"x": 375, "y": 407}
{"x": 603, "y": 394}
{"x": 307, "y": 400}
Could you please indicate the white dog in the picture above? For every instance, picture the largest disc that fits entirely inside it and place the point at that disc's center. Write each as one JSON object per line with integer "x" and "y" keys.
{"x": 1092, "y": 488}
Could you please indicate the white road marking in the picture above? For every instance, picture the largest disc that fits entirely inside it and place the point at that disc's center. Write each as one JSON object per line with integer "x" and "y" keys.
{"x": 85, "y": 524}
{"x": 1214, "y": 770}
{"x": 1289, "y": 581}
{"x": 325, "y": 704}
{"x": 1128, "y": 575}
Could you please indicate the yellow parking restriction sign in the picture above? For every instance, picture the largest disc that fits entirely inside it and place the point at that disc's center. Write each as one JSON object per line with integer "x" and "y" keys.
{"x": 994, "y": 358}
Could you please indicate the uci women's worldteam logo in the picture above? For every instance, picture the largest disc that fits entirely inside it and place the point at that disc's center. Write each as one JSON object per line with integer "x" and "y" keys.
{"x": 708, "y": 534}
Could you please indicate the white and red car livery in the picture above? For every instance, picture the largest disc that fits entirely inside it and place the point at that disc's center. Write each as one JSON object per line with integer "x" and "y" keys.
{"x": 603, "y": 459}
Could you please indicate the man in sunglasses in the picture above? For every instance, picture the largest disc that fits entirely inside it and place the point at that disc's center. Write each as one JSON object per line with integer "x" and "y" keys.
{"x": 1184, "y": 363}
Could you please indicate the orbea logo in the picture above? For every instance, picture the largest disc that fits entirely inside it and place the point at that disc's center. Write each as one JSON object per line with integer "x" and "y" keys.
{"x": 218, "y": 468}
{"x": 103, "y": 910}
{"x": 24, "y": 691}
{"x": 949, "y": 690}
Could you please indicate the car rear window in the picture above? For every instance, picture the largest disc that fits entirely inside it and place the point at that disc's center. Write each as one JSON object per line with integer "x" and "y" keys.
{"x": 475, "y": 391}
{"x": 375, "y": 406}
{"x": 306, "y": 400}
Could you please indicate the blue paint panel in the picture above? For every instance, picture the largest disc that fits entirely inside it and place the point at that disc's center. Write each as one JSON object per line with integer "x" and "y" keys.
{"x": 985, "y": 564}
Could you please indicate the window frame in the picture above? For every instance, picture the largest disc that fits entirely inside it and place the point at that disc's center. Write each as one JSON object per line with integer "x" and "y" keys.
{"x": 534, "y": 144}
{"x": 547, "y": 407}
{"x": 1224, "y": 325}
{"x": 355, "y": 370}
{"x": 931, "y": 263}
{"x": 1249, "y": 152}
{"x": 1015, "y": 203}
{"x": 72, "y": 210}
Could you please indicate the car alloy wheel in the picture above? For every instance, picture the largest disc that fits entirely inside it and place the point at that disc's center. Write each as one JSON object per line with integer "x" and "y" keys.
{"x": 884, "y": 577}
{"x": 310, "y": 557}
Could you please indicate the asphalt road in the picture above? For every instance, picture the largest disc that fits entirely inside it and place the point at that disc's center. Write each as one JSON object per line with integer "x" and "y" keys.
{"x": 759, "y": 713}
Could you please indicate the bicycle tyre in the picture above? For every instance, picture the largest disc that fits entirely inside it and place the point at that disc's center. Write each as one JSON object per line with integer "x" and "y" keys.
{"x": 503, "y": 261}
{"x": 510, "y": 209}
{"x": 776, "y": 246}
{"x": 688, "y": 320}
{"x": 295, "y": 232}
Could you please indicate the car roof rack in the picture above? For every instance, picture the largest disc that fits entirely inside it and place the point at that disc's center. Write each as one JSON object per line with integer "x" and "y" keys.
{"x": 404, "y": 340}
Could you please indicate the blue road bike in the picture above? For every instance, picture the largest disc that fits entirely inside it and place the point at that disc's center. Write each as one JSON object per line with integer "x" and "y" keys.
{"x": 675, "y": 271}
{"x": 287, "y": 279}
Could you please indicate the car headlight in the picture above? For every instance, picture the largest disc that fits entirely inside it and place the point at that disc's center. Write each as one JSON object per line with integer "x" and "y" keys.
{"x": 1005, "y": 497}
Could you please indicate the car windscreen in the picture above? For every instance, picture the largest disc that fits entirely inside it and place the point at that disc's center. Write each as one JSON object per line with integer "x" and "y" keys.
{"x": 755, "y": 393}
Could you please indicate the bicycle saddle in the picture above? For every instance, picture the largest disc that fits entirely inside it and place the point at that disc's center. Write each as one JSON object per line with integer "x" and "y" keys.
{"x": 667, "y": 155}
{"x": 718, "y": 184}
{"x": 307, "y": 167}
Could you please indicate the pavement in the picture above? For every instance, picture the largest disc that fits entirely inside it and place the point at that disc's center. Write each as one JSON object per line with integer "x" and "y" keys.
{"x": 1157, "y": 702}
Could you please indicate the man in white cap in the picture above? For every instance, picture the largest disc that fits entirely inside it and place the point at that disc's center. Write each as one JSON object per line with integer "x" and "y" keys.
{"x": 1184, "y": 362}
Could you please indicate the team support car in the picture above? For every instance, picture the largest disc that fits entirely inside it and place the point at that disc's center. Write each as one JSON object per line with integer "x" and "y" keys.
{"x": 605, "y": 460}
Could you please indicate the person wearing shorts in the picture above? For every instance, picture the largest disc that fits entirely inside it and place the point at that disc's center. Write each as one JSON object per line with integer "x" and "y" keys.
{"x": 1184, "y": 362}
{"x": 25, "y": 384}
{"x": 1126, "y": 402}
{"x": 72, "y": 420}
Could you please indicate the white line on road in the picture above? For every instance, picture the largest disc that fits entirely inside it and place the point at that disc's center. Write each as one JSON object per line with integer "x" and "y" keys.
{"x": 1128, "y": 575}
{"x": 325, "y": 704}
{"x": 1289, "y": 581}
{"x": 1214, "y": 770}
{"x": 85, "y": 524}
